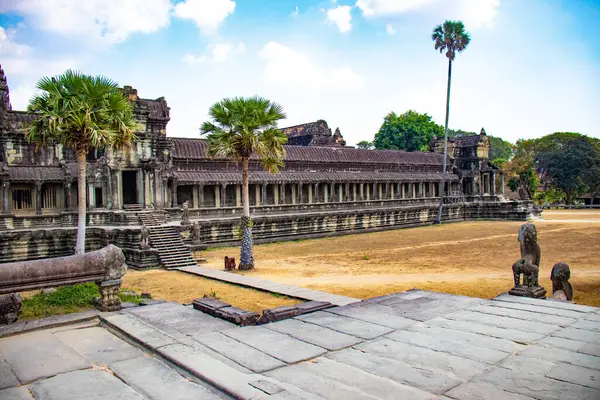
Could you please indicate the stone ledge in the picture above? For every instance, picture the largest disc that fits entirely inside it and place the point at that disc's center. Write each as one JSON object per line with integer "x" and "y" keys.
{"x": 48, "y": 322}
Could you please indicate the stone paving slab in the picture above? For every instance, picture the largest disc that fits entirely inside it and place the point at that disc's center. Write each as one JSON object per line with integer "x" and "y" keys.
{"x": 48, "y": 322}
{"x": 546, "y": 303}
{"x": 334, "y": 380}
{"x": 87, "y": 384}
{"x": 314, "y": 334}
{"x": 166, "y": 384}
{"x": 278, "y": 345}
{"x": 489, "y": 330}
{"x": 586, "y": 324}
{"x": 538, "y": 309}
{"x": 429, "y": 380}
{"x": 374, "y": 313}
{"x": 140, "y": 331}
{"x": 568, "y": 344}
{"x": 16, "y": 393}
{"x": 592, "y": 317}
{"x": 474, "y": 339}
{"x": 7, "y": 376}
{"x": 247, "y": 356}
{"x": 98, "y": 345}
{"x": 212, "y": 371}
{"x": 541, "y": 388}
{"x": 561, "y": 355}
{"x": 39, "y": 354}
{"x": 350, "y": 326}
{"x": 483, "y": 354}
{"x": 524, "y": 315}
{"x": 583, "y": 335}
{"x": 287, "y": 290}
{"x": 185, "y": 320}
{"x": 575, "y": 374}
{"x": 503, "y": 322}
{"x": 454, "y": 366}
{"x": 527, "y": 365}
{"x": 482, "y": 390}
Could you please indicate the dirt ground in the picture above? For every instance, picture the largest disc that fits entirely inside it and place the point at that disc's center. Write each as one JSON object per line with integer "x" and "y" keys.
{"x": 183, "y": 288}
{"x": 468, "y": 258}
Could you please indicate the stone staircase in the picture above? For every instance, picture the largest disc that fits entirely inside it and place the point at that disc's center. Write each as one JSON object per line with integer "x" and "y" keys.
{"x": 132, "y": 207}
{"x": 148, "y": 219}
{"x": 173, "y": 253}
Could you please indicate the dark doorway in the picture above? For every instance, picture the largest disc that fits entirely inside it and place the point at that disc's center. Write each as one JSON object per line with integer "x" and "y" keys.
{"x": 130, "y": 187}
{"x": 185, "y": 193}
{"x": 99, "y": 200}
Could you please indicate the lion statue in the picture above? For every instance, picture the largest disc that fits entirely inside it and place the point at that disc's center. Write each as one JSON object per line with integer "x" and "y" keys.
{"x": 530, "y": 273}
{"x": 560, "y": 275}
{"x": 530, "y": 250}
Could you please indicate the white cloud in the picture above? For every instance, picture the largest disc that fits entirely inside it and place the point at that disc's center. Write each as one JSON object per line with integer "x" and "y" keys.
{"x": 389, "y": 28}
{"x": 474, "y": 13}
{"x": 341, "y": 17}
{"x": 207, "y": 14}
{"x": 289, "y": 68}
{"x": 295, "y": 13}
{"x": 216, "y": 53}
{"x": 8, "y": 48}
{"x": 106, "y": 21}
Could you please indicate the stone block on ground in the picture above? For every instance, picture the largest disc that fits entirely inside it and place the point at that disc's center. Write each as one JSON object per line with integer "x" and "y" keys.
{"x": 139, "y": 330}
{"x": 561, "y": 355}
{"x": 286, "y": 312}
{"x": 582, "y": 335}
{"x": 481, "y": 390}
{"x": 209, "y": 304}
{"x": 7, "y": 376}
{"x": 576, "y": 374}
{"x": 88, "y": 384}
{"x": 38, "y": 355}
{"x": 237, "y": 316}
{"x": 374, "y": 313}
{"x": 157, "y": 381}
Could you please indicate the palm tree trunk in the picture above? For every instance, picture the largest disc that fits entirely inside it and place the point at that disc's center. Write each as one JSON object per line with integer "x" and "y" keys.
{"x": 442, "y": 191}
{"x": 246, "y": 257}
{"x": 81, "y": 197}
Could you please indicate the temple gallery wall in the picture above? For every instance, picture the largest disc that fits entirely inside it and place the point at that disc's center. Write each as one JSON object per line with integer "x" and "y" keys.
{"x": 324, "y": 189}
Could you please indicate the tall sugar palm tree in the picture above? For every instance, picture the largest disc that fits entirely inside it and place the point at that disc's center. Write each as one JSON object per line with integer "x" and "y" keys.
{"x": 452, "y": 38}
{"x": 241, "y": 127}
{"x": 83, "y": 113}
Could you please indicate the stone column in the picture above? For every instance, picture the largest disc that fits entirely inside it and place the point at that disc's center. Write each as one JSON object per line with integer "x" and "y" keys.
{"x": 354, "y": 191}
{"x": 257, "y": 195}
{"x": 68, "y": 196}
{"x": 332, "y": 192}
{"x": 502, "y": 183}
{"x": 116, "y": 190}
{"x": 300, "y": 193}
{"x": 294, "y": 193}
{"x": 200, "y": 196}
{"x": 347, "y": 192}
{"x": 141, "y": 184}
{"x": 316, "y": 198}
{"x": 326, "y": 193}
{"x": 224, "y": 195}
{"x": 263, "y": 193}
{"x": 5, "y": 197}
{"x": 389, "y": 190}
{"x": 238, "y": 195}
{"x": 282, "y": 191}
{"x": 368, "y": 191}
{"x": 38, "y": 198}
{"x": 158, "y": 198}
{"x": 310, "y": 194}
{"x": 91, "y": 198}
{"x": 414, "y": 190}
{"x": 340, "y": 193}
{"x": 194, "y": 197}
{"x": 174, "y": 185}
{"x": 380, "y": 190}
{"x": 276, "y": 193}
{"x": 362, "y": 192}
{"x": 217, "y": 196}
{"x": 492, "y": 183}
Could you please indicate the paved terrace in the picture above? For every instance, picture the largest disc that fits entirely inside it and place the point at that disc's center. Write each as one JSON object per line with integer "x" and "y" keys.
{"x": 410, "y": 345}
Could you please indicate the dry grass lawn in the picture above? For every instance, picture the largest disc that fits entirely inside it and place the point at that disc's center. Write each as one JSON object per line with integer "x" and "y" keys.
{"x": 183, "y": 288}
{"x": 469, "y": 258}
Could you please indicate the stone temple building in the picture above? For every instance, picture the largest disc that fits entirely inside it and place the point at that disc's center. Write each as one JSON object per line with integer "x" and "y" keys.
{"x": 325, "y": 188}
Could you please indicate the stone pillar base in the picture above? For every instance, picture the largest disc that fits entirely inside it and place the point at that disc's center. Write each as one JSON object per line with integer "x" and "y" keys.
{"x": 536, "y": 292}
{"x": 109, "y": 299}
{"x": 10, "y": 308}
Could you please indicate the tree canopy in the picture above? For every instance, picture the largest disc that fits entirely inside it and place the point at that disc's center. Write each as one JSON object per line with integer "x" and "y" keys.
{"x": 410, "y": 131}
{"x": 364, "y": 144}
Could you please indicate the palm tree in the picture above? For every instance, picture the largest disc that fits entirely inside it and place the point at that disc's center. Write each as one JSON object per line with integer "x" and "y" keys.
{"x": 452, "y": 38}
{"x": 83, "y": 113}
{"x": 242, "y": 127}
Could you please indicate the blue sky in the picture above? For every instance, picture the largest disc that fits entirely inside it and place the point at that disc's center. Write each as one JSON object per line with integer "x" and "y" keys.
{"x": 532, "y": 68}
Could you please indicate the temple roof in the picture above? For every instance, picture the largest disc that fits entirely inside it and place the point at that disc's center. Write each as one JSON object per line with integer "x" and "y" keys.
{"x": 311, "y": 128}
{"x": 196, "y": 149}
{"x": 30, "y": 173}
{"x": 205, "y": 177}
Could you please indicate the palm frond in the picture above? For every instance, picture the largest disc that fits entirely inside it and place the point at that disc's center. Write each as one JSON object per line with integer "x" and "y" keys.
{"x": 450, "y": 37}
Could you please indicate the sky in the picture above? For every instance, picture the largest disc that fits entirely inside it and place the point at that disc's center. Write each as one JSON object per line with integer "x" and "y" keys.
{"x": 532, "y": 67}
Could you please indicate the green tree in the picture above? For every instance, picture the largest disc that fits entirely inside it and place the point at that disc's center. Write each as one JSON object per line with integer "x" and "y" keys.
{"x": 364, "y": 144}
{"x": 452, "y": 38}
{"x": 566, "y": 166}
{"x": 459, "y": 133}
{"x": 410, "y": 131}
{"x": 500, "y": 150}
{"x": 83, "y": 113}
{"x": 242, "y": 127}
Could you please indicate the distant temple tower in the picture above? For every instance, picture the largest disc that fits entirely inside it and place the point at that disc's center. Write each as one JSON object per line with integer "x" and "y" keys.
{"x": 314, "y": 134}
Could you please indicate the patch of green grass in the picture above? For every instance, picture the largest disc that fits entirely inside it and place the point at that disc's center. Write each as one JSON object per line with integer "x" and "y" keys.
{"x": 65, "y": 300}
